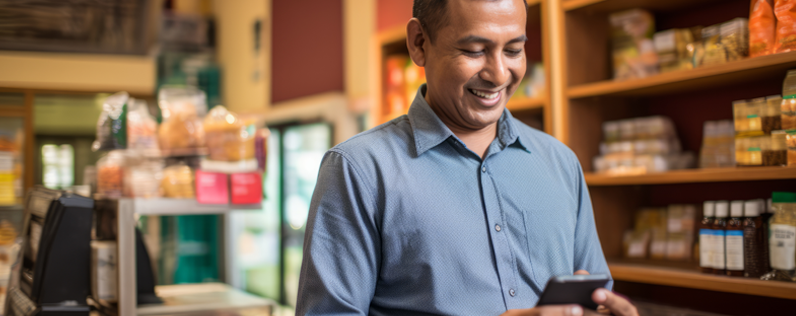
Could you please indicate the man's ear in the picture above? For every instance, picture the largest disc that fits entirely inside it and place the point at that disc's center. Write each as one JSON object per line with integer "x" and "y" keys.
{"x": 415, "y": 41}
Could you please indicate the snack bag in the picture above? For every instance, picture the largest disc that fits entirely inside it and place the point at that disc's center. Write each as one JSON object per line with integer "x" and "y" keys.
{"x": 112, "y": 123}
{"x": 785, "y": 10}
{"x": 183, "y": 109}
{"x": 761, "y": 28}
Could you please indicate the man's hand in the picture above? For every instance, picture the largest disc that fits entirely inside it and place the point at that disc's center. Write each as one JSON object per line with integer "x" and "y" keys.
{"x": 610, "y": 304}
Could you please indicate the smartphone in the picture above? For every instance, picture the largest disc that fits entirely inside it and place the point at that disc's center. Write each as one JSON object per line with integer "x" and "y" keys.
{"x": 573, "y": 289}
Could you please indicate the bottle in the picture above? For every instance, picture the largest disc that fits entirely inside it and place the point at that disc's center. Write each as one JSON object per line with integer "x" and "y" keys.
{"x": 753, "y": 239}
{"x": 718, "y": 225}
{"x": 766, "y": 217}
{"x": 706, "y": 237}
{"x": 733, "y": 240}
{"x": 782, "y": 240}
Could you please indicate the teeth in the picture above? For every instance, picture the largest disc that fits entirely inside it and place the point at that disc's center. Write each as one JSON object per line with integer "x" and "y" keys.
{"x": 485, "y": 95}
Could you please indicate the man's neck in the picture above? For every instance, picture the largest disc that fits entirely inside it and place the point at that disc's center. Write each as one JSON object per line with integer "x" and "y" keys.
{"x": 477, "y": 140}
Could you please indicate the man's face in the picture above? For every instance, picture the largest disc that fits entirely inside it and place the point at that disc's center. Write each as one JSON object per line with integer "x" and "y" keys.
{"x": 476, "y": 61}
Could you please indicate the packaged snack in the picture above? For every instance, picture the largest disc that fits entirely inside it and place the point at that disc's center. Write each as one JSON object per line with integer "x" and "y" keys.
{"x": 142, "y": 177}
{"x": 182, "y": 109}
{"x": 675, "y": 49}
{"x": 715, "y": 53}
{"x": 110, "y": 174}
{"x": 633, "y": 48}
{"x": 141, "y": 127}
{"x": 785, "y": 11}
{"x": 228, "y": 137}
{"x": 772, "y": 115}
{"x": 112, "y": 123}
{"x": 178, "y": 182}
{"x": 761, "y": 28}
{"x": 735, "y": 38}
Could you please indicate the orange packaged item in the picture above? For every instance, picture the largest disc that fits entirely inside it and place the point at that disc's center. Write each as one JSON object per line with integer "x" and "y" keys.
{"x": 228, "y": 137}
{"x": 761, "y": 28}
{"x": 785, "y": 10}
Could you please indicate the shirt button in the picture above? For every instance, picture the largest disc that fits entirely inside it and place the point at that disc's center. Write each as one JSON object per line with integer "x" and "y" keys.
{"x": 511, "y": 292}
{"x": 497, "y": 227}
{"x": 483, "y": 169}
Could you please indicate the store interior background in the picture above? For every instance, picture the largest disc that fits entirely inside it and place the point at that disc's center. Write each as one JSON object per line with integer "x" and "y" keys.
{"x": 318, "y": 72}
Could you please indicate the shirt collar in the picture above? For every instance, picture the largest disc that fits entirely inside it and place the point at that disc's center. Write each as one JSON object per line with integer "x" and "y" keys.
{"x": 429, "y": 131}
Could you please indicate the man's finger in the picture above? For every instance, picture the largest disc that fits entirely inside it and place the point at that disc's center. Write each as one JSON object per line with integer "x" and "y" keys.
{"x": 618, "y": 305}
{"x": 566, "y": 310}
{"x": 581, "y": 272}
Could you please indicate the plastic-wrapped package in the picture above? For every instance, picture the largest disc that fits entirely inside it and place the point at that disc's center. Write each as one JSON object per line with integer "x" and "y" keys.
{"x": 142, "y": 177}
{"x": 229, "y": 137}
{"x": 110, "y": 174}
{"x": 182, "y": 109}
{"x": 785, "y": 11}
{"x": 141, "y": 127}
{"x": 112, "y": 123}
{"x": 761, "y": 28}
{"x": 178, "y": 182}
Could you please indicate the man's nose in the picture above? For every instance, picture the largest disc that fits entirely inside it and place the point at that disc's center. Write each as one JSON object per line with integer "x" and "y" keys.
{"x": 495, "y": 70}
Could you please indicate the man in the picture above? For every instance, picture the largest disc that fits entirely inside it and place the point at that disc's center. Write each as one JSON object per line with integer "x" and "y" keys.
{"x": 456, "y": 208}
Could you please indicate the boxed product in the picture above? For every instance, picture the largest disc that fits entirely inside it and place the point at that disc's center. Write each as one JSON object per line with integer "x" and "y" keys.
{"x": 675, "y": 49}
{"x": 680, "y": 229}
{"x": 212, "y": 187}
{"x": 633, "y": 48}
{"x": 718, "y": 145}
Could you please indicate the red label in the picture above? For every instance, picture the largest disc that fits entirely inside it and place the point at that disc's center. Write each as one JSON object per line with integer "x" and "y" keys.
{"x": 211, "y": 188}
{"x": 247, "y": 188}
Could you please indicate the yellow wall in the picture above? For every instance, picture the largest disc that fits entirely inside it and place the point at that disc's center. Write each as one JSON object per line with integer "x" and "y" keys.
{"x": 246, "y": 76}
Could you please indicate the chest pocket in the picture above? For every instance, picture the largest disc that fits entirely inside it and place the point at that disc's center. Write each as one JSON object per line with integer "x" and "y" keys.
{"x": 544, "y": 216}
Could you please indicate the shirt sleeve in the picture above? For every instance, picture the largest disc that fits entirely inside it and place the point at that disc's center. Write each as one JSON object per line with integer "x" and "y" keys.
{"x": 588, "y": 251}
{"x": 341, "y": 245}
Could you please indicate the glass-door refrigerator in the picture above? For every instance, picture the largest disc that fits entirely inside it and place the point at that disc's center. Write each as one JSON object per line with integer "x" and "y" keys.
{"x": 265, "y": 247}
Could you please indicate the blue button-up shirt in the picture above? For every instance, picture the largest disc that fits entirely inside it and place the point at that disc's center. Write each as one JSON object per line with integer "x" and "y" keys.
{"x": 405, "y": 219}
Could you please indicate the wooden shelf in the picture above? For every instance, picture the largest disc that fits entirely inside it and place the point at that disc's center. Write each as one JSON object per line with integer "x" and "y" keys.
{"x": 526, "y": 104}
{"x": 696, "y": 280}
{"x": 746, "y": 70}
{"x": 610, "y": 6}
{"x": 695, "y": 176}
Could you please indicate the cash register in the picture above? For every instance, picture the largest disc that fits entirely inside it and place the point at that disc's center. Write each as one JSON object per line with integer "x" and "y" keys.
{"x": 52, "y": 275}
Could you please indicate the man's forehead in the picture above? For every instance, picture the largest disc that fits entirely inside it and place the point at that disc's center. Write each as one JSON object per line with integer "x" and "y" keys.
{"x": 501, "y": 15}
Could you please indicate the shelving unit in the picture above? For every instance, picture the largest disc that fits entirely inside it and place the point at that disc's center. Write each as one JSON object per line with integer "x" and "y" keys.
{"x": 590, "y": 96}
{"x": 696, "y": 280}
{"x": 536, "y": 109}
{"x": 128, "y": 208}
{"x": 695, "y": 176}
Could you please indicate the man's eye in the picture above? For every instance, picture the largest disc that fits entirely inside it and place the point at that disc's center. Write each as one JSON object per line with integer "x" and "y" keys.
{"x": 470, "y": 53}
{"x": 513, "y": 52}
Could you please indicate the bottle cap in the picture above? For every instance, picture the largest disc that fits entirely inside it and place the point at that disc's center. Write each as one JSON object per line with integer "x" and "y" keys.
{"x": 751, "y": 208}
{"x": 709, "y": 209}
{"x": 722, "y": 209}
{"x": 736, "y": 209}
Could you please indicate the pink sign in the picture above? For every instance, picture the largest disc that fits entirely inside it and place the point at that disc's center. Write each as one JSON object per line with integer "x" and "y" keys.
{"x": 211, "y": 188}
{"x": 247, "y": 188}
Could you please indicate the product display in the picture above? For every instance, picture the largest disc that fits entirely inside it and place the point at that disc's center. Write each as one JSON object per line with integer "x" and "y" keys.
{"x": 733, "y": 242}
{"x": 772, "y": 114}
{"x": 753, "y": 236}
{"x": 178, "y": 182}
{"x": 632, "y": 44}
{"x": 141, "y": 128}
{"x": 785, "y": 11}
{"x": 777, "y": 152}
{"x": 110, "y": 174}
{"x": 639, "y": 146}
{"x": 112, "y": 123}
{"x": 706, "y": 234}
{"x": 782, "y": 238}
{"x": 228, "y": 137}
{"x": 718, "y": 145}
{"x": 719, "y": 227}
{"x": 761, "y": 28}
{"x": 680, "y": 232}
{"x": 675, "y": 49}
{"x": 142, "y": 177}
{"x": 662, "y": 234}
{"x": 182, "y": 109}
{"x": 735, "y": 38}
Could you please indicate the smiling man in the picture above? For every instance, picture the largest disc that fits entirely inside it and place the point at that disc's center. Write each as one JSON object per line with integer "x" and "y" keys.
{"x": 456, "y": 208}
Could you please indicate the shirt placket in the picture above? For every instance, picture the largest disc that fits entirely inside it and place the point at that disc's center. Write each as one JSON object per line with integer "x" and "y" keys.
{"x": 504, "y": 258}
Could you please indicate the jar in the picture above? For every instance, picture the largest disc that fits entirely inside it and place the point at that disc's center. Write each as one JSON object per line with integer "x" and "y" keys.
{"x": 772, "y": 119}
{"x": 791, "y": 141}
{"x": 777, "y": 153}
{"x": 739, "y": 109}
{"x": 754, "y": 113}
{"x": 787, "y": 112}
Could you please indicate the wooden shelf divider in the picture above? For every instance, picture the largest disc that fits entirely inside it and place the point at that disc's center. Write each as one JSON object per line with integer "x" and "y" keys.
{"x": 692, "y": 79}
{"x": 526, "y": 104}
{"x": 696, "y": 280}
{"x": 695, "y": 176}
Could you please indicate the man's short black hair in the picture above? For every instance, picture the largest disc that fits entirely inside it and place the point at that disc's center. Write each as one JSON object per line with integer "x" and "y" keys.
{"x": 432, "y": 15}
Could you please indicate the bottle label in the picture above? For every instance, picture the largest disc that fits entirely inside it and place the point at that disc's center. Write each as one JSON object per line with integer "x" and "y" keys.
{"x": 782, "y": 244}
{"x": 706, "y": 248}
{"x": 718, "y": 249}
{"x": 734, "y": 248}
